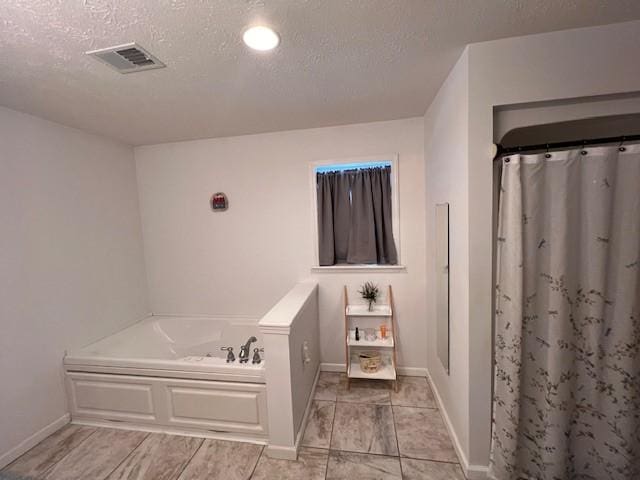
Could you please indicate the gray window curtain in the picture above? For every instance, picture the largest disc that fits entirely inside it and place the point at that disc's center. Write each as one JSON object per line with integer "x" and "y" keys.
{"x": 567, "y": 325}
{"x": 354, "y": 217}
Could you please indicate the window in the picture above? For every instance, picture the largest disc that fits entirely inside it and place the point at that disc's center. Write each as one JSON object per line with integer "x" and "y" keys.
{"x": 356, "y": 213}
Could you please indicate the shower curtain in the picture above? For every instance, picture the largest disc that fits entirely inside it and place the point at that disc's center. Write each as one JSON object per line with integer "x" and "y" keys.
{"x": 567, "y": 323}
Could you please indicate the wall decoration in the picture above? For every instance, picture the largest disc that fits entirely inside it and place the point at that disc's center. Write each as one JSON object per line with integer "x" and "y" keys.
{"x": 219, "y": 202}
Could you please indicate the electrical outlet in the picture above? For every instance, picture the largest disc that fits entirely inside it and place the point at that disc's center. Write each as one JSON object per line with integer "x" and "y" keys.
{"x": 306, "y": 356}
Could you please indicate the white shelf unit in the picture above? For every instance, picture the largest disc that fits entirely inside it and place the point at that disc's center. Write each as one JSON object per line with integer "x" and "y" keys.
{"x": 379, "y": 314}
{"x": 358, "y": 310}
{"x": 377, "y": 343}
{"x": 386, "y": 372}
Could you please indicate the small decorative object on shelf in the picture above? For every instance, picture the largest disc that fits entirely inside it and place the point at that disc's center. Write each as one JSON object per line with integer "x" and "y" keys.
{"x": 369, "y": 292}
{"x": 370, "y": 361}
{"x": 370, "y": 346}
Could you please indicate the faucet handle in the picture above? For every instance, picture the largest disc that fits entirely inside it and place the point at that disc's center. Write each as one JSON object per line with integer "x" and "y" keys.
{"x": 230, "y": 356}
{"x": 256, "y": 355}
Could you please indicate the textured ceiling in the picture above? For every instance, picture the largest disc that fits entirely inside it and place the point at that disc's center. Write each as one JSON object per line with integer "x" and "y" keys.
{"x": 340, "y": 61}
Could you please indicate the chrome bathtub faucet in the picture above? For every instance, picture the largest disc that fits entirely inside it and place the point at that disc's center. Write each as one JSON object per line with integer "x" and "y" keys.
{"x": 230, "y": 356}
{"x": 244, "y": 350}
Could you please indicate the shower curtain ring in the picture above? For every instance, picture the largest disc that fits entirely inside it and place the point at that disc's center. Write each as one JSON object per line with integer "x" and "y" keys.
{"x": 620, "y": 147}
{"x": 584, "y": 145}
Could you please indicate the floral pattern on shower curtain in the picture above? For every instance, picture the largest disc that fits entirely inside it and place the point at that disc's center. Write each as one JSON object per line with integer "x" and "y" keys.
{"x": 567, "y": 323}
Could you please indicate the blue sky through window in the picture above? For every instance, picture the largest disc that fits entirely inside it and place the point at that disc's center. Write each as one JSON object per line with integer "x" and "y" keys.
{"x": 340, "y": 167}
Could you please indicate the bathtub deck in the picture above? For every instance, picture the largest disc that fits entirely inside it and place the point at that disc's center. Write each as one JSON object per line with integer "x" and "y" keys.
{"x": 368, "y": 431}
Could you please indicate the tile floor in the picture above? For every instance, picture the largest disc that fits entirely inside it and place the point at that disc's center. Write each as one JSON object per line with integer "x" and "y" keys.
{"x": 368, "y": 432}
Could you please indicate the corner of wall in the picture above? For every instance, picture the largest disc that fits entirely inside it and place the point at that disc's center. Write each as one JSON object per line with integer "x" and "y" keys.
{"x": 447, "y": 176}
{"x": 71, "y": 210}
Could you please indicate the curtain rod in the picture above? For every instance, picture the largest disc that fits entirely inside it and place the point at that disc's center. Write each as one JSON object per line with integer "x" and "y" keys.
{"x": 573, "y": 143}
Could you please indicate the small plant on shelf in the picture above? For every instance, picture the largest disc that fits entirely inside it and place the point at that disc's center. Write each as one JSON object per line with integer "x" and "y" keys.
{"x": 370, "y": 293}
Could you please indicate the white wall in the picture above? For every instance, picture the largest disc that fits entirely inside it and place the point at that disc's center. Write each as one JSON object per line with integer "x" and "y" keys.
{"x": 71, "y": 262}
{"x": 446, "y": 152}
{"x": 243, "y": 260}
{"x": 536, "y": 68}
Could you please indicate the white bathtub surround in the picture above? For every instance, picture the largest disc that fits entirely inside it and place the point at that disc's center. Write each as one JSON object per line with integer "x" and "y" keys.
{"x": 169, "y": 374}
{"x": 186, "y": 347}
{"x": 290, "y": 335}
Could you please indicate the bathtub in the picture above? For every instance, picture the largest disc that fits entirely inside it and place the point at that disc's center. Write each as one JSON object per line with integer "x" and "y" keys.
{"x": 168, "y": 373}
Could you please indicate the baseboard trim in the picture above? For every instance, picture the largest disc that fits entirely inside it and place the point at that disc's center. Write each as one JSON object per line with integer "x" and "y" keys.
{"x": 477, "y": 472}
{"x": 332, "y": 367}
{"x": 281, "y": 453}
{"x": 307, "y": 411}
{"x": 412, "y": 371}
{"x": 471, "y": 472}
{"x": 405, "y": 371}
{"x": 30, "y": 442}
{"x": 184, "y": 432}
{"x": 291, "y": 453}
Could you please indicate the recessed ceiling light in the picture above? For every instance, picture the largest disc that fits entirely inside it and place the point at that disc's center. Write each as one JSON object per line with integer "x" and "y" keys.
{"x": 261, "y": 38}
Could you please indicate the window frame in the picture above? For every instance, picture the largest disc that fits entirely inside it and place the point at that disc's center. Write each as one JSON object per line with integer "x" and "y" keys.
{"x": 395, "y": 212}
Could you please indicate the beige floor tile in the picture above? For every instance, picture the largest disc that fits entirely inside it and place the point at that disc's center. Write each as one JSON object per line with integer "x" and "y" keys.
{"x": 425, "y": 470}
{"x": 413, "y": 392}
{"x": 41, "y": 458}
{"x": 351, "y": 466}
{"x": 327, "y": 386}
{"x": 97, "y": 456}
{"x": 318, "y": 430}
{"x": 158, "y": 457}
{"x": 365, "y": 391}
{"x": 310, "y": 465}
{"x": 364, "y": 428}
{"x": 363, "y": 446}
{"x": 422, "y": 434}
{"x": 220, "y": 459}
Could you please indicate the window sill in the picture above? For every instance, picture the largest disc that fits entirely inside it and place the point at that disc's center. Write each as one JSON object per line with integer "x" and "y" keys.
{"x": 359, "y": 268}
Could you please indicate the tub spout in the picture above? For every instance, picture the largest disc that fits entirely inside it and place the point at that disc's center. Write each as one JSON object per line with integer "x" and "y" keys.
{"x": 244, "y": 350}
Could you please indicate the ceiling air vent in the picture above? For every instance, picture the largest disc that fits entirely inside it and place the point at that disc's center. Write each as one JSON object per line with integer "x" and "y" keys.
{"x": 127, "y": 58}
